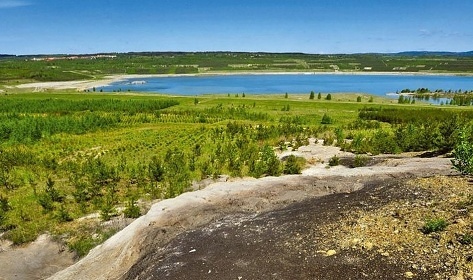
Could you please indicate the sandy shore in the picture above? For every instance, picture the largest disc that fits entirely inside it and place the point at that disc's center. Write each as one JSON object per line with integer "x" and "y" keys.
{"x": 107, "y": 80}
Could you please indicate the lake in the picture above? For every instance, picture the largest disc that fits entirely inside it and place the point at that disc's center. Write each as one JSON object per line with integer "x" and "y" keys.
{"x": 291, "y": 83}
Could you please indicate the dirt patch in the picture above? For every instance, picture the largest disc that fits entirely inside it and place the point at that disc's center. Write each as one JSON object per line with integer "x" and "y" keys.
{"x": 340, "y": 236}
{"x": 37, "y": 260}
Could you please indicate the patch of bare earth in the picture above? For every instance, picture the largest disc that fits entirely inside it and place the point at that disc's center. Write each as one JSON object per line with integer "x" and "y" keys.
{"x": 395, "y": 231}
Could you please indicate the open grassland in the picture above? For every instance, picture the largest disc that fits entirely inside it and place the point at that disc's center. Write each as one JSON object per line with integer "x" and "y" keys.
{"x": 67, "y": 155}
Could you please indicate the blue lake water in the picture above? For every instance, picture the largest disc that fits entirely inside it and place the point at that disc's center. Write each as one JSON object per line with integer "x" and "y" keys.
{"x": 291, "y": 83}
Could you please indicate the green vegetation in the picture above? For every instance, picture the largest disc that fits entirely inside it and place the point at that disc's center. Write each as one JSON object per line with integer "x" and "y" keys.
{"x": 294, "y": 165}
{"x": 334, "y": 161}
{"x": 434, "y": 225}
{"x": 463, "y": 152}
{"x": 67, "y": 155}
{"x": 360, "y": 160}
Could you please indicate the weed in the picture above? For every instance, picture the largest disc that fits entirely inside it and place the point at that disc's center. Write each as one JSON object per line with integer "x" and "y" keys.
{"x": 434, "y": 225}
{"x": 466, "y": 239}
{"x": 360, "y": 160}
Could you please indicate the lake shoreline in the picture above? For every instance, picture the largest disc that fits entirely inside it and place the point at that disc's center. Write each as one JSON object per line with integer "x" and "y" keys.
{"x": 83, "y": 85}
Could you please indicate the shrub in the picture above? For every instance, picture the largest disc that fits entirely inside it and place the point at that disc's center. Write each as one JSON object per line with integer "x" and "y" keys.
{"x": 334, "y": 161}
{"x": 132, "y": 210}
{"x": 434, "y": 225}
{"x": 294, "y": 165}
{"x": 463, "y": 154}
{"x": 383, "y": 142}
{"x": 63, "y": 215}
{"x": 360, "y": 160}
{"x": 328, "y": 139}
{"x": 326, "y": 119}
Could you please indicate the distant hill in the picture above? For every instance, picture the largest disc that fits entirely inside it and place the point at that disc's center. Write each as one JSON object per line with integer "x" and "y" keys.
{"x": 6, "y": 55}
{"x": 427, "y": 53}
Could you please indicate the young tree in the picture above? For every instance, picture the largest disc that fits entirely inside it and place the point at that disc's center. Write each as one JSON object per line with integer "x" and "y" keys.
{"x": 286, "y": 95}
{"x": 463, "y": 153}
{"x": 319, "y": 96}
{"x": 293, "y": 165}
{"x": 326, "y": 119}
{"x": 312, "y": 95}
{"x": 358, "y": 99}
{"x": 329, "y": 97}
{"x": 156, "y": 174}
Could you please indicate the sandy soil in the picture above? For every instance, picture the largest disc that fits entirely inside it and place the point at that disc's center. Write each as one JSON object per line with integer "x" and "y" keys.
{"x": 245, "y": 199}
{"x": 37, "y": 260}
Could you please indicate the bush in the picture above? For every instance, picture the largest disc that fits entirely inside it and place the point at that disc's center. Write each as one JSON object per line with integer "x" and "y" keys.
{"x": 383, "y": 142}
{"x": 334, "y": 161}
{"x": 294, "y": 165}
{"x": 434, "y": 225}
{"x": 326, "y": 119}
{"x": 463, "y": 154}
{"x": 132, "y": 210}
{"x": 63, "y": 215}
{"x": 360, "y": 160}
{"x": 328, "y": 139}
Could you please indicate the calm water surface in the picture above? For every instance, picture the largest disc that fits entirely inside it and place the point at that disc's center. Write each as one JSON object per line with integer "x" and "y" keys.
{"x": 294, "y": 83}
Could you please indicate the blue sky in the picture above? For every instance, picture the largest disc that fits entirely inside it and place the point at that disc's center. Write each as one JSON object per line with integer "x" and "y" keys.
{"x": 310, "y": 26}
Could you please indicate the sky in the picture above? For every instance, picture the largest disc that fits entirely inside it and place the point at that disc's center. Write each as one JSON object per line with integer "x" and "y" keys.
{"x": 308, "y": 26}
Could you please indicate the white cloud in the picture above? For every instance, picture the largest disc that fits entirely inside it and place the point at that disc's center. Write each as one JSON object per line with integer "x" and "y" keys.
{"x": 4, "y": 4}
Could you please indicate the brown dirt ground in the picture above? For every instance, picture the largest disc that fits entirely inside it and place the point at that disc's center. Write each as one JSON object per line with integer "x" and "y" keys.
{"x": 294, "y": 242}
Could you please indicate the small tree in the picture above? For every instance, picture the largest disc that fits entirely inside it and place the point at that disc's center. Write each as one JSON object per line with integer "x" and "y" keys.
{"x": 358, "y": 99}
{"x": 312, "y": 95}
{"x": 326, "y": 119}
{"x": 293, "y": 165}
{"x": 329, "y": 97}
{"x": 319, "y": 96}
{"x": 156, "y": 174}
{"x": 286, "y": 95}
{"x": 463, "y": 153}
{"x": 132, "y": 210}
